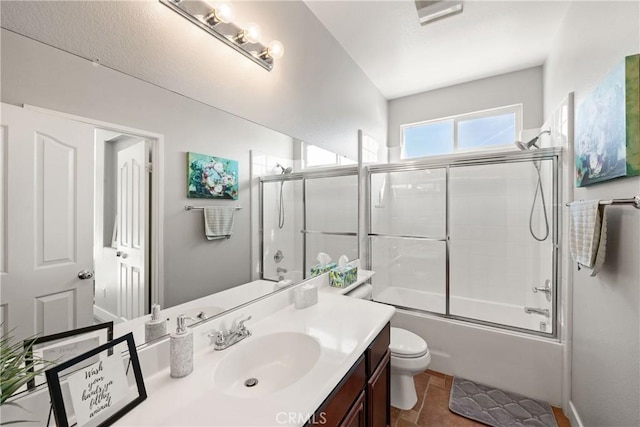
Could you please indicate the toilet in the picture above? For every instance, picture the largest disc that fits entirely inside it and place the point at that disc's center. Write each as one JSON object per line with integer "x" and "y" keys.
{"x": 409, "y": 357}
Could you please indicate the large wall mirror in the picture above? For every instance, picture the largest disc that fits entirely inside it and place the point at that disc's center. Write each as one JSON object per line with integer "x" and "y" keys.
{"x": 94, "y": 210}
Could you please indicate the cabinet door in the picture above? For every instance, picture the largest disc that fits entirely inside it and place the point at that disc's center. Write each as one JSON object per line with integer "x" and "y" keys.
{"x": 356, "y": 416}
{"x": 379, "y": 395}
{"x": 339, "y": 403}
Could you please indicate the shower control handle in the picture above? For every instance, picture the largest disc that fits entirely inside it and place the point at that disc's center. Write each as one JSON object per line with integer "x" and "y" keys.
{"x": 546, "y": 289}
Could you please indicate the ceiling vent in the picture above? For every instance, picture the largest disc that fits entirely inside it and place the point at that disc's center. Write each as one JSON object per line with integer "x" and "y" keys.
{"x": 430, "y": 11}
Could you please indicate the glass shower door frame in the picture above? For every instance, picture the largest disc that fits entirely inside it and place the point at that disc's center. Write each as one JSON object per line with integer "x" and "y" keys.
{"x": 304, "y": 176}
{"x": 447, "y": 162}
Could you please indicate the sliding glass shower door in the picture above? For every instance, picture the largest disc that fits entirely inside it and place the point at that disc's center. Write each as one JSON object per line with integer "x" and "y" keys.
{"x": 501, "y": 243}
{"x": 282, "y": 242}
{"x": 331, "y": 218}
{"x": 303, "y": 214}
{"x": 408, "y": 238}
{"x": 469, "y": 238}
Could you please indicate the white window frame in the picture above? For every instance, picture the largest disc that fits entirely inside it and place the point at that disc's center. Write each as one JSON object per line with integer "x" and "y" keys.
{"x": 515, "y": 108}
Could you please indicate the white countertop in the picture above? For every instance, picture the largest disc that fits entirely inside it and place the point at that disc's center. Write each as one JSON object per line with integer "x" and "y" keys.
{"x": 344, "y": 328}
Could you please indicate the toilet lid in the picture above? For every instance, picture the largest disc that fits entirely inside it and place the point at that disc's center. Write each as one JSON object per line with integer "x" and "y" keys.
{"x": 407, "y": 344}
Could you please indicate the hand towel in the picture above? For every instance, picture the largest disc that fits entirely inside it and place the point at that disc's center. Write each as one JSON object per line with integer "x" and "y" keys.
{"x": 587, "y": 234}
{"x": 218, "y": 222}
{"x": 602, "y": 245}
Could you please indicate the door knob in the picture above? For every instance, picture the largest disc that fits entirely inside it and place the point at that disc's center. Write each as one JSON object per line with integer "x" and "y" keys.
{"x": 85, "y": 274}
{"x": 121, "y": 254}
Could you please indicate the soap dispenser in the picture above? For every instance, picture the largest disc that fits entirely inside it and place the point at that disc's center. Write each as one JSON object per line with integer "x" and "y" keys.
{"x": 156, "y": 327}
{"x": 181, "y": 349}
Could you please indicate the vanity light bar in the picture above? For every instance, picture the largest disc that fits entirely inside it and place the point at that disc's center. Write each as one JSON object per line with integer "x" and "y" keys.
{"x": 216, "y": 21}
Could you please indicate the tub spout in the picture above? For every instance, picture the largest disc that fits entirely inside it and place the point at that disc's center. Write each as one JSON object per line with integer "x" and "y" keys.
{"x": 542, "y": 311}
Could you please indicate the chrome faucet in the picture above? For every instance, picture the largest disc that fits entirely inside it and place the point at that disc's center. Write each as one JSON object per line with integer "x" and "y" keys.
{"x": 225, "y": 339}
{"x": 543, "y": 311}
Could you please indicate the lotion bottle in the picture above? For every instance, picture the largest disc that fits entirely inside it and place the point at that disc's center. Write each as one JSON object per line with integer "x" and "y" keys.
{"x": 156, "y": 327}
{"x": 181, "y": 349}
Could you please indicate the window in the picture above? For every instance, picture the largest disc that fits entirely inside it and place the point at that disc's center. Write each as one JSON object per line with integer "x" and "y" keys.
{"x": 314, "y": 156}
{"x": 466, "y": 132}
{"x": 369, "y": 149}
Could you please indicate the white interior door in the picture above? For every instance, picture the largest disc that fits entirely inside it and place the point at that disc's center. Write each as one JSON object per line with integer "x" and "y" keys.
{"x": 48, "y": 205}
{"x": 132, "y": 233}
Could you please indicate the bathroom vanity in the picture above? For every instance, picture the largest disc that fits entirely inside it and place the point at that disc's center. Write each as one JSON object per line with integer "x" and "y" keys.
{"x": 327, "y": 364}
{"x": 363, "y": 396}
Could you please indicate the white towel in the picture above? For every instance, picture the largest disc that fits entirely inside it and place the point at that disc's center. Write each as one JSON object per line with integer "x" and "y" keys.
{"x": 218, "y": 222}
{"x": 588, "y": 234}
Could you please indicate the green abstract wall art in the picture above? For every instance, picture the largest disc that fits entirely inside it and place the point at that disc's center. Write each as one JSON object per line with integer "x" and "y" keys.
{"x": 211, "y": 177}
{"x": 607, "y": 132}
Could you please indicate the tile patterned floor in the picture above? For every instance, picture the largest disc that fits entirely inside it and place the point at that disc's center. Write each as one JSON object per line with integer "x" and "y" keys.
{"x": 432, "y": 408}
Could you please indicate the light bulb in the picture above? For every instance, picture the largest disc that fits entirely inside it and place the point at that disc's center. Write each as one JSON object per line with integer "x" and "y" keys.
{"x": 252, "y": 32}
{"x": 224, "y": 13}
{"x": 275, "y": 49}
{"x": 219, "y": 13}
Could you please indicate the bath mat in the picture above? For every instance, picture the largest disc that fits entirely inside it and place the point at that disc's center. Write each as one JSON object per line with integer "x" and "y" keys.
{"x": 498, "y": 408}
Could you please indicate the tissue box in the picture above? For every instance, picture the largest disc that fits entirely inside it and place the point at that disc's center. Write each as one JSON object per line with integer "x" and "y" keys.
{"x": 305, "y": 296}
{"x": 317, "y": 270}
{"x": 342, "y": 277}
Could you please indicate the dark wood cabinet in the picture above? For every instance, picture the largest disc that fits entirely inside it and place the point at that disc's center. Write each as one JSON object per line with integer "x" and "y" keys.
{"x": 362, "y": 398}
{"x": 378, "y": 395}
{"x": 357, "y": 416}
{"x": 335, "y": 407}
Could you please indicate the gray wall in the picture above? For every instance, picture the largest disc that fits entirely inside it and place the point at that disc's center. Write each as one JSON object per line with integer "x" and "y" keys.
{"x": 605, "y": 378}
{"x": 523, "y": 87}
{"x": 315, "y": 92}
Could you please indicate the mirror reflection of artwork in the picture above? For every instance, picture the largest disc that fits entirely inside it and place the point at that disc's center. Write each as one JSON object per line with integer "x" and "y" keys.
{"x": 607, "y": 127}
{"x": 212, "y": 177}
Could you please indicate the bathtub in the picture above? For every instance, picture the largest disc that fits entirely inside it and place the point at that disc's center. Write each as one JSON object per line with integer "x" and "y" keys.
{"x": 488, "y": 311}
{"x": 514, "y": 361}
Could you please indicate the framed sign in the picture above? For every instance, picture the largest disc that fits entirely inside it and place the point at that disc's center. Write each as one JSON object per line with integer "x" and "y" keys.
{"x": 58, "y": 348}
{"x": 99, "y": 393}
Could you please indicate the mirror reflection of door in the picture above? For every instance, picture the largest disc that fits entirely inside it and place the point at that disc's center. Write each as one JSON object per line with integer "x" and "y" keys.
{"x": 47, "y": 269}
{"x": 122, "y": 227}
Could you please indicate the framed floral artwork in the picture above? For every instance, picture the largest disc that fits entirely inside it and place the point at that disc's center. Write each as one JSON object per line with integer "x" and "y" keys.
{"x": 211, "y": 177}
{"x": 607, "y": 127}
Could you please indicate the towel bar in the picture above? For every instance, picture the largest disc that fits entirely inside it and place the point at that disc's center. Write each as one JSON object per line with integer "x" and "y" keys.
{"x": 635, "y": 201}
{"x": 199, "y": 208}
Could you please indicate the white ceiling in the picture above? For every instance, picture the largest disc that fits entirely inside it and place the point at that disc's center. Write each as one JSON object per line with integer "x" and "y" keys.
{"x": 401, "y": 57}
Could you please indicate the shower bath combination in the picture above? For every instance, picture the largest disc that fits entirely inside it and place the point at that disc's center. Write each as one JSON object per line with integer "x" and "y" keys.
{"x": 525, "y": 146}
{"x": 283, "y": 171}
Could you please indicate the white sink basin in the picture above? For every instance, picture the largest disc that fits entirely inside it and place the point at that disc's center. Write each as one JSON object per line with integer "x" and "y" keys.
{"x": 276, "y": 361}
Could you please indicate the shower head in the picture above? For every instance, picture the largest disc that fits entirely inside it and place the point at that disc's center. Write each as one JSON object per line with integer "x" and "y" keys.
{"x": 532, "y": 142}
{"x": 283, "y": 170}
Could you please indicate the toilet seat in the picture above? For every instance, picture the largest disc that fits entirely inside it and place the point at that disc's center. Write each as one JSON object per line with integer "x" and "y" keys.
{"x": 406, "y": 344}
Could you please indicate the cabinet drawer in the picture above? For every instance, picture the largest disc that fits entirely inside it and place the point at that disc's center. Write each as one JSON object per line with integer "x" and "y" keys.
{"x": 337, "y": 405}
{"x": 378, "y": 349}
